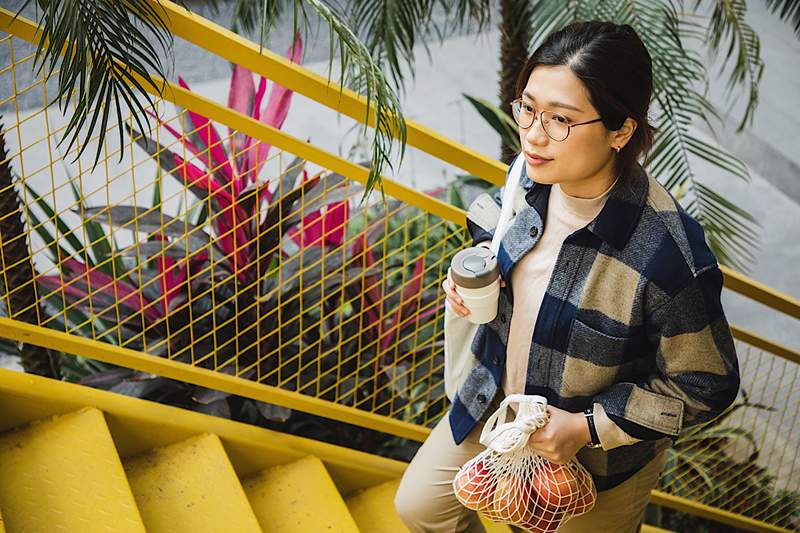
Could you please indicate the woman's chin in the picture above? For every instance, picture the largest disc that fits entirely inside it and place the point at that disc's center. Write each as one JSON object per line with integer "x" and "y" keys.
{"x": 537, "y": 175}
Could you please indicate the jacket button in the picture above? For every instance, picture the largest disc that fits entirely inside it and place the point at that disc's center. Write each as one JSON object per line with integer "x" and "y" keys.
{"x": 534, "y": 231}
{"x": 496, "y": 360}
{"x": 481, "y": 398}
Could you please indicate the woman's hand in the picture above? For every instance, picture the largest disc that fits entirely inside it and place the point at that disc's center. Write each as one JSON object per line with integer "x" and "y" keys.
{"x": 453, "y": 298}
{"x": 560, "y": 439}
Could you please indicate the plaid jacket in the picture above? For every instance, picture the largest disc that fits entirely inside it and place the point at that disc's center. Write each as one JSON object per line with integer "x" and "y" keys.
{"x": 631, "y": 319}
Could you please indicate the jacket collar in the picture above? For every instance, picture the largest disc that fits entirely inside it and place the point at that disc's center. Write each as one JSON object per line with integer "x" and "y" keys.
{"x": 618, "y": 217}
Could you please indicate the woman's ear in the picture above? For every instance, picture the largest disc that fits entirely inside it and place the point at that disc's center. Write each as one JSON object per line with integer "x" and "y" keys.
{"x": 619, "y": 138}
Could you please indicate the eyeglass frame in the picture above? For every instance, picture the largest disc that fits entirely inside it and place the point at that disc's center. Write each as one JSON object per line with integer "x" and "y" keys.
{"x": 544, "y": 129}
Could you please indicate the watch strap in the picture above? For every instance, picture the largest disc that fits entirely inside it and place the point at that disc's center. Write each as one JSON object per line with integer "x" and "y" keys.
{"x": 589, "y": 414}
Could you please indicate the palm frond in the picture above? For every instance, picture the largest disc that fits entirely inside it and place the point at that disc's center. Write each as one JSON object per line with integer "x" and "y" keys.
{"x": 362, "y": 74}
{"x": 390, "y": 29}
{"x": 468, "y": 11}
{"x": 727, "y": 27}
{"x": 359, "y": 71}
{"x": 726, "y": 223}
{"x": 551, "y": 16}
{"x": 788, "y": 10}
{"x": 497, "y": 119}
{"x": 107, "y": 47}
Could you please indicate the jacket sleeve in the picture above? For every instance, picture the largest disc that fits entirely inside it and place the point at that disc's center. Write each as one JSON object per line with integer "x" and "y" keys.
{"x": 696, "y": 371}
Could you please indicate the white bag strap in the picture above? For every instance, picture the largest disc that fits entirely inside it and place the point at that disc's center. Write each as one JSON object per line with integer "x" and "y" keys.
{"x": 514, "y": 177}
{"x": 511, "y": 436}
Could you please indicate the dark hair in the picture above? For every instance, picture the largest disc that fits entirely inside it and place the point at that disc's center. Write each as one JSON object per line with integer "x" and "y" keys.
{"x": 614, "y": 65}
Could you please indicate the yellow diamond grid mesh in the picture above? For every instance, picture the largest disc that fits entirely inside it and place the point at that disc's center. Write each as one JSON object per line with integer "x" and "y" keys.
{"x": 169, "y": 247}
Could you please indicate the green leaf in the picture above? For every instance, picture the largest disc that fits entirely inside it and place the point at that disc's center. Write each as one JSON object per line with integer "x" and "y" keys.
{"x": 498, "y": 120}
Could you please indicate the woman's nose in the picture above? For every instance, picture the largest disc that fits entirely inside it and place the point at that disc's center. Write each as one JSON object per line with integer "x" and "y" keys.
{"x": 535, "y": 134}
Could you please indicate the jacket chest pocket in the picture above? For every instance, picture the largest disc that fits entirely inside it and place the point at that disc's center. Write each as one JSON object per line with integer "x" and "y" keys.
{"x": 590, "y": 344}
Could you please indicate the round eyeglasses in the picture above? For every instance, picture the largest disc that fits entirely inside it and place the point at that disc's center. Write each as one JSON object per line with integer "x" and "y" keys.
{"x": 554, "y": 125}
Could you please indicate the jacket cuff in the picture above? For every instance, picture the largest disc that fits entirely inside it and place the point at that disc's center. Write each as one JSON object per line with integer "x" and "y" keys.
{"x": 642, "y": 413}
{"x": 610, "y": 434}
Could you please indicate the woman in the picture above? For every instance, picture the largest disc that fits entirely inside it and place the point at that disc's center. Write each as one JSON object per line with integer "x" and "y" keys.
{"x": 611, "y": 302}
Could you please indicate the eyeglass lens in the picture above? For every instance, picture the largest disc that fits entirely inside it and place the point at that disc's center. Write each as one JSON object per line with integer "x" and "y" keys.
{"x": 555, "y": 125}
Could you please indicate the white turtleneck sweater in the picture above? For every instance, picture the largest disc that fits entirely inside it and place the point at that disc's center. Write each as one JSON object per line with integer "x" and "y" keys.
{"x": 530, "y": 278}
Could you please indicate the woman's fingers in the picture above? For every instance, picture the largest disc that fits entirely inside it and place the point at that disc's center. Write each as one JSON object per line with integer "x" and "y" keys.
{"x": 456, "y": 302}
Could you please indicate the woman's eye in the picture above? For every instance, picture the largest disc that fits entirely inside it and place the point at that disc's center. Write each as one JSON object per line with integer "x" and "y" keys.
{"x": 559, "y": 118}
{"x": 528, "y": 108}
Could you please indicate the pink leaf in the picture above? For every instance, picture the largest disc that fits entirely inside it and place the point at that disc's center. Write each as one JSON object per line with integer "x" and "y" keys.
{"x": 76, "y": 276}
{"x": 228, "y": 216}
{"x": 370, "y": 286}
{"x": 207, "y": 133}
{"x": 409, "y": 302}
{"x": 277, "y": 108}
{"x": 335, "y": 225}
{"x": 310, "y": 231}
{"x": 240, "y": 98}
{"x": 242, "y": 90}
{"x": 183, "y": 138}
{"x": 246, "y": 174}
{"x": 194, "y": 177}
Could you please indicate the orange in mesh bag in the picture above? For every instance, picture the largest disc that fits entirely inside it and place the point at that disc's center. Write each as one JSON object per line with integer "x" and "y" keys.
{"x": 509, "y": 482}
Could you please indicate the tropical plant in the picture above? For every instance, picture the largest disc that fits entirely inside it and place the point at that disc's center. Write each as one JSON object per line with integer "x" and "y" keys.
{"x": 699, "y": 467}
{"x": 18, "y": 285}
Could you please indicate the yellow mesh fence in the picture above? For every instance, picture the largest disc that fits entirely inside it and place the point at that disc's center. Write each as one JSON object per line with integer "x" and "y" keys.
{"x": 203, "y": 245}
{"x": 212, "y": 249}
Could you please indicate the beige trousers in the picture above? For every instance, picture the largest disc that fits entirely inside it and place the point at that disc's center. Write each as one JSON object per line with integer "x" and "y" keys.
{"x": 426, "y": 504}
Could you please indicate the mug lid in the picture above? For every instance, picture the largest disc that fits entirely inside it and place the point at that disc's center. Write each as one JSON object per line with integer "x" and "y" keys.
{"x": 474, "y": 267}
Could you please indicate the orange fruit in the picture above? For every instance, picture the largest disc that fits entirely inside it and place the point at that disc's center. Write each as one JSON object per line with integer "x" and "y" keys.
{"x": 475, "y": 486}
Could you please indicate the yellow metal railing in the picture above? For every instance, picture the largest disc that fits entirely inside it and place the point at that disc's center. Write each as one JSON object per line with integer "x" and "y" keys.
{"x": 193, "y": 255}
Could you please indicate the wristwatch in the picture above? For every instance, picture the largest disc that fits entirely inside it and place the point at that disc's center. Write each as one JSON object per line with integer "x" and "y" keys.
{"x": 589, "y": 414}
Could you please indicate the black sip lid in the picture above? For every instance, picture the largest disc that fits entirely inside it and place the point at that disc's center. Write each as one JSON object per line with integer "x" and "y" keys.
{"x": 474, "y": 268}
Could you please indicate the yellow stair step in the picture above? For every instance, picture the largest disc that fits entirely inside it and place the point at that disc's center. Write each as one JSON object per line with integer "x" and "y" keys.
{"x": 2, "y": 527}
{"x": 654, "y": 529}
{"x": 298, "y": 497}
{"x": 373, "y": 510}
{"x": 64, "y": 474}
{"x": 190, "y": 486}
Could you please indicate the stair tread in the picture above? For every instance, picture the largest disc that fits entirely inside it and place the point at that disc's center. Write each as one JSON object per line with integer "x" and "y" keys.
{"x": 298, "y": 497}
{"x": 64, "y": 474}
{"x": 190, "y": 486}
{"x": 653, "y": 529}
{"x": 373, "y": 510}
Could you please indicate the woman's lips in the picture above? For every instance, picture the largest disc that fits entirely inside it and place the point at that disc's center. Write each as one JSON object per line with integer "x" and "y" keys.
{"x": 535, "y": 160}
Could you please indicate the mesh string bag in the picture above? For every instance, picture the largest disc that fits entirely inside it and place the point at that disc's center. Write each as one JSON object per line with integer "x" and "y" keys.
{"x": 509, "y": 482}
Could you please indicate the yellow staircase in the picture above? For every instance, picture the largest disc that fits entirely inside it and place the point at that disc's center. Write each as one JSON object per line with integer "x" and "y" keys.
{"x": 77, "y": 459}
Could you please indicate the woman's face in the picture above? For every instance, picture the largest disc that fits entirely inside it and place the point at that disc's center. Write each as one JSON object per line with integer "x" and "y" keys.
{"x": 582, "y": 163}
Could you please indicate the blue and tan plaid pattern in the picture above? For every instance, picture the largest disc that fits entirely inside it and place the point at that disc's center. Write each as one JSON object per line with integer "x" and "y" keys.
{"x": 631, "y": 319}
